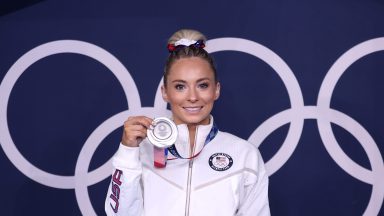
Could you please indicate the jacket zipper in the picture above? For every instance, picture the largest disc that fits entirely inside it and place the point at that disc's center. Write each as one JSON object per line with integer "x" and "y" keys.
{"x": 190, "y": 165}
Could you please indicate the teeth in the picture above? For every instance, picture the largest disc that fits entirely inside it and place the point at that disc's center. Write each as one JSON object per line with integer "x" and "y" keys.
{"x": 192, "y": 109}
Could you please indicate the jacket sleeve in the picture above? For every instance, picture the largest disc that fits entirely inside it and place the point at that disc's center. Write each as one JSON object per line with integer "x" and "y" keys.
{"x": 254, "y": 200}
{"x": 125, "y": 192}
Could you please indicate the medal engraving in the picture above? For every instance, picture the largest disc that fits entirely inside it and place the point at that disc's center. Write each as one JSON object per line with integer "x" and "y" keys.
{"x": 163, "y": 133}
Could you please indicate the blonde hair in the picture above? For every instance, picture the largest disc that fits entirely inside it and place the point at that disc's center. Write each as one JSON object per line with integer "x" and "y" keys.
{"x": 186, "y": 34}
{"x": 187, "y": 51}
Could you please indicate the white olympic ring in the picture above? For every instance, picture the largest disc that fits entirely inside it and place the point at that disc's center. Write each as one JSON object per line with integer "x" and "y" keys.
{"x": 290, "y": 81}
{"x": 294, "y": 115}
{"x": 42, "y": 51}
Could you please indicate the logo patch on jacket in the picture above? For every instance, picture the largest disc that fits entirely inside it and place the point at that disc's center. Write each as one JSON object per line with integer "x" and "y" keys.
{"x": 220, "y": 161}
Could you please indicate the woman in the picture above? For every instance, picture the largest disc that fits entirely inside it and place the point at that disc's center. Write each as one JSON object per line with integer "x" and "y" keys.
{"x": 208, "y": 172}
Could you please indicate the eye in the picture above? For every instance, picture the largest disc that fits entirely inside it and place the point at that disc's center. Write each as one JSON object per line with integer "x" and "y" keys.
{"x": 203, "y": 85}
{"x": 179, "y": 87}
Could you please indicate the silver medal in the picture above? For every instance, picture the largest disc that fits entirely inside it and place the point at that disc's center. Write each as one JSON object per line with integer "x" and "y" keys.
{"x": 162, "y": 133}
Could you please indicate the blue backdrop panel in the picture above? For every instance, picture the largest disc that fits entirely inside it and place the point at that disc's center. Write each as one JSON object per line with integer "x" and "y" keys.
{"x": 302, "y": 80}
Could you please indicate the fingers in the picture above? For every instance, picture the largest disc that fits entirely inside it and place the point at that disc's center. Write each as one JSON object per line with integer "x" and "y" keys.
{"x": 139, "y": 120}
{"x": 135, "y": 130}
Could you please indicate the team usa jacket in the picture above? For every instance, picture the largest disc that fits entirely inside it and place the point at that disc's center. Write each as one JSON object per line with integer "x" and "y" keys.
{"x": 227, "y": 178}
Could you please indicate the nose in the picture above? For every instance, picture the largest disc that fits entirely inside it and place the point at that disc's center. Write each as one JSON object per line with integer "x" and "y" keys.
{"x": 192, "y": 95}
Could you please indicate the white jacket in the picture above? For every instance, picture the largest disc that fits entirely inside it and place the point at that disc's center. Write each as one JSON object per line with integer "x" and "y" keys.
{"x": 227, "y": 178}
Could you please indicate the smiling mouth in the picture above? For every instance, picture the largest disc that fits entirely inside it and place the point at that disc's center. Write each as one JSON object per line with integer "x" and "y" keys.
{"x": 193, "y": 109}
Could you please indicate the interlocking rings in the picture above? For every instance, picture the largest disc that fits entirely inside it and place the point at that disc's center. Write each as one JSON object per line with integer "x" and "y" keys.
{"x": 295, "y": 115}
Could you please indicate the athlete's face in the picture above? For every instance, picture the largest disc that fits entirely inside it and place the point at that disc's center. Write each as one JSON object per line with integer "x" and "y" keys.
{"x": 191, "y": 90}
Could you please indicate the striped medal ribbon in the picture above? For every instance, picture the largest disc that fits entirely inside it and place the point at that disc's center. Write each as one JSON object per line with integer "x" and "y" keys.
{"x": 161, "y": 154}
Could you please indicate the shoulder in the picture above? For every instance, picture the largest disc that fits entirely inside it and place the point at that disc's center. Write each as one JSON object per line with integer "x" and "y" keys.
{"x": 236, "y": 144}
{"x": 239, "y": 149}
{"x": 233, "y": 139}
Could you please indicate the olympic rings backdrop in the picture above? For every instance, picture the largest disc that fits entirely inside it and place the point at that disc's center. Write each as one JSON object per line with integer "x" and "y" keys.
{"x": 302, "y": 80}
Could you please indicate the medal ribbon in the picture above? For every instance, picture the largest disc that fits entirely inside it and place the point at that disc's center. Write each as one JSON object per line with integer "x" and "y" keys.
{"x": 161, "y": 154}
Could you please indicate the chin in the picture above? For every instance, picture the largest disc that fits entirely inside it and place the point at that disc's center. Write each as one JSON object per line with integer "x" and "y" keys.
{"x": 196, "y": 120}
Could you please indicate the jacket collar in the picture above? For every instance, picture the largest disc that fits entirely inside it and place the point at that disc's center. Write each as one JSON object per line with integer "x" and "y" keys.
{"x": 182, "y": 143}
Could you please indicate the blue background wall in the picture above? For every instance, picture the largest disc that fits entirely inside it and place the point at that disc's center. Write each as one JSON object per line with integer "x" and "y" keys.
{"x": 333, "y": 165}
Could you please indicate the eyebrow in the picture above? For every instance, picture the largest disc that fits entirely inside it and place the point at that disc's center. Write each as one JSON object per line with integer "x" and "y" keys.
{"x": 183, "y": 81}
